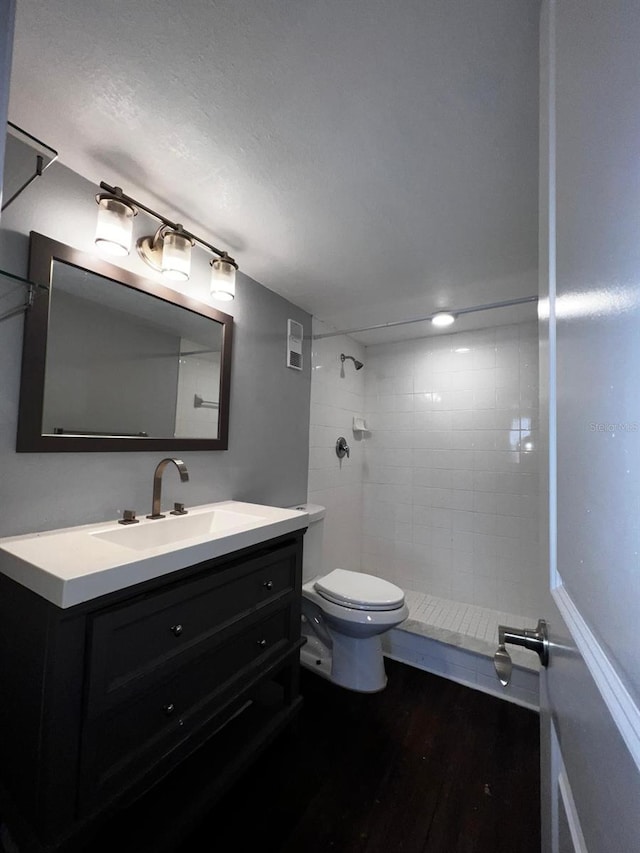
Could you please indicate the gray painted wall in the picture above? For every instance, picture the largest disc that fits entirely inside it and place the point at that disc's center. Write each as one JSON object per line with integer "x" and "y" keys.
{"x": 267, "y": 460}
{"x": 7, "y": 13}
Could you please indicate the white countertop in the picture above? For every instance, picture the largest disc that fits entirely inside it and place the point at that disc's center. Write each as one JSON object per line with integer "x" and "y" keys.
{"x": 76, "y": 564}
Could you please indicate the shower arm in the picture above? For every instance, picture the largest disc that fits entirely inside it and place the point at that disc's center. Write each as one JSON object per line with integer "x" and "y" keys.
{"x": 357, "y": 364}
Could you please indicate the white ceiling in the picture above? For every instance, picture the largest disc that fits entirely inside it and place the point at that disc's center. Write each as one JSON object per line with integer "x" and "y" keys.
{"x": 371, "y": 160}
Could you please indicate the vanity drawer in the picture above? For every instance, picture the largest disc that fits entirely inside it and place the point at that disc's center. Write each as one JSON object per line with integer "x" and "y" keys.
{"x": 168, "y": 628}
{"x": 130, "y": 739}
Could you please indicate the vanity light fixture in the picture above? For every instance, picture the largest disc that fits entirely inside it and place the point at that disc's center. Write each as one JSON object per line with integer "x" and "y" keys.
{"x": 168, "y": 251}
{"x": 114, "y": 228}
{"x": 223, "y": 277}
{"x": 443, "y": 318}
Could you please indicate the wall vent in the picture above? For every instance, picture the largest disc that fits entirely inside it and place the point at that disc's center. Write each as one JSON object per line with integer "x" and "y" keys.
{"x": 294, "y": 344}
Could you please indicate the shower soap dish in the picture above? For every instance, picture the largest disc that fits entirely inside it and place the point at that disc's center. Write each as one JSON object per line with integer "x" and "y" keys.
{"x": 359, "y": 425}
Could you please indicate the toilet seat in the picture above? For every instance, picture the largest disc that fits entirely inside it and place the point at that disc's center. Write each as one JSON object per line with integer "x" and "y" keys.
{"x": 359, "y": 591}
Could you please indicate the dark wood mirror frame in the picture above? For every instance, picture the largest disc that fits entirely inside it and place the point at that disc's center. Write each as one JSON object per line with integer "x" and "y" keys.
{"x": 43, "y": 252}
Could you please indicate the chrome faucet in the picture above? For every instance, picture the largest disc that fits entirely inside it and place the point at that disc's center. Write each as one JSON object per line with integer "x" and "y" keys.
{"x": 157, "y": 483}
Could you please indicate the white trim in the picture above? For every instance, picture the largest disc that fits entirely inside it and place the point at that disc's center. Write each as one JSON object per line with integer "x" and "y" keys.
{"x": 562, "y": 793}
{"x": 573, "y": 821}
{"x": 551, "y": 296}
{"x": 623, "y": 709}
{"x": 556, "y": 765}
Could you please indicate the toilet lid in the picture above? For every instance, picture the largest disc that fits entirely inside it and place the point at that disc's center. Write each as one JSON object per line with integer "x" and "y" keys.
{"x": 363, "y": 592}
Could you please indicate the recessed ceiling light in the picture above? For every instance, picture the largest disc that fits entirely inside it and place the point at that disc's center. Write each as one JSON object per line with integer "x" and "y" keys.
{"x": 443, "y": 318}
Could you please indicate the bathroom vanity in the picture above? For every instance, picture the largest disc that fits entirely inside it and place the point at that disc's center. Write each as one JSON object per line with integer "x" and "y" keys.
{"x": 118, "y": 672}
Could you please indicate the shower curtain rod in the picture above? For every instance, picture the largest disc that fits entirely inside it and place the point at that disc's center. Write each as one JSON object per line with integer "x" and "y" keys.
{"x": 506, "y": 304}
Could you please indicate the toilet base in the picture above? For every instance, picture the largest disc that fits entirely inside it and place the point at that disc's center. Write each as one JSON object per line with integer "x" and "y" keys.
{"x": 354, "y": 663}
{"x": 315, "y": 656}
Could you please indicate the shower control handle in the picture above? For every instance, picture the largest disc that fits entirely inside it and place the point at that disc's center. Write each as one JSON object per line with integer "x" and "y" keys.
{"x": 342, "y": 448}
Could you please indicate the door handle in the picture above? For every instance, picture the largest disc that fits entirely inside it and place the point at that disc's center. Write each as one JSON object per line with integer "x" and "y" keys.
{"x": 535, "y": 639}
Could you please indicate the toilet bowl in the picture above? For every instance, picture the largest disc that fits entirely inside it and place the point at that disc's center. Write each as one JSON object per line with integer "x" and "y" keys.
{"x": 344, "y": 615}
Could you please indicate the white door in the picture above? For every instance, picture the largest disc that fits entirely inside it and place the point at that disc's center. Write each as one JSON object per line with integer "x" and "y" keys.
{"x": 590, "y": 334}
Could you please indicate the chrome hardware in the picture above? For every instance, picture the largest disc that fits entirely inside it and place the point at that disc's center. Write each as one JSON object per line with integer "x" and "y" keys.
{"x": 169, "y": 709}
{"x": 157, "y": 483}
{"x": 129, "y": 517}
{"x": 199, "y": 403}
{"x": 342, "y": 448}
{"x": 178, "y": 509}
{"x": 536, "y": 640}
{"x": 503, "y": 665}
{"x": 316, "y": 624}
{"x": 176, "y": 630}
{"x": 268, "y": 585}
{"x": 262, "y": 644}
{"x": 358, "y": 364}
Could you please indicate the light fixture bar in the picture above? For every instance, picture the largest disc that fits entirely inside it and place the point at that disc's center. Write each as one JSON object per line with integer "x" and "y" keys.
{"x": 174, "y": 226}
{"x": 457, "y": 311}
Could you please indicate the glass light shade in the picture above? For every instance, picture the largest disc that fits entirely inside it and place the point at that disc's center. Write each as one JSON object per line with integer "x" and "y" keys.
{"x": 176, "y": 256}
{"x": 223, "y": 279}
{"x": 443, "y": 318}
{"x": 115, "y": 226}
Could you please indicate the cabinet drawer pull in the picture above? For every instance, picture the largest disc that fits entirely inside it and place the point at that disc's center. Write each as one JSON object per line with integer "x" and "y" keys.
{"x": 262, "y": 644}
{"x": 176, "y": 630}
{"x": 169, "y": 709}
{"x": 268, "y": 585}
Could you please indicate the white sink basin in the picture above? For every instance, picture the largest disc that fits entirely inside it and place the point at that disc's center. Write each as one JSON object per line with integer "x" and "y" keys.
{"x": 77, "y": 564}
{"x": 173, "y": 529}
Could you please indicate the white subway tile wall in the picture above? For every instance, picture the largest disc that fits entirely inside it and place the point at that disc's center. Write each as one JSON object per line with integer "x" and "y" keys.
{"x": 337, "y": 396}
{"x": 197, "y": 375}
{"x": 450, "y": 473}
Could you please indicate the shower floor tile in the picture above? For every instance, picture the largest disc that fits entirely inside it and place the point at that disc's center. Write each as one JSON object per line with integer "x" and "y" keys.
{"x": 467, "y": 626}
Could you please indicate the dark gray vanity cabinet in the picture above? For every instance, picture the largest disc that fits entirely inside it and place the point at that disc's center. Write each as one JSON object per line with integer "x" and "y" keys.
{"x": 104, "y": 699}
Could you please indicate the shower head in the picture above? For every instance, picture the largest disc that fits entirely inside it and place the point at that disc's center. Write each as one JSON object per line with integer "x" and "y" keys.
{"x": 358, "y": 364}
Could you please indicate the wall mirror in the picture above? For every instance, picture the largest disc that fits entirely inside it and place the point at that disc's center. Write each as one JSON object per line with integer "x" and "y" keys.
{"x": 113, "y": 361}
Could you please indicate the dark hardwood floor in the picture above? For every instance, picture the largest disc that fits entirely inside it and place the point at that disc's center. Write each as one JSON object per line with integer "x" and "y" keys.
{"x": 426, "y": 766}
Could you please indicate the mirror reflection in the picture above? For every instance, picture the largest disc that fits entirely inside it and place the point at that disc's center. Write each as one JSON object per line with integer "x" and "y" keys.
{"x": 122, "y": 364}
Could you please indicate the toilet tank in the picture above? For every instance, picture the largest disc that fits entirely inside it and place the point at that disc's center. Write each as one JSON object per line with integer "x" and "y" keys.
{"x": 312, "y": 544}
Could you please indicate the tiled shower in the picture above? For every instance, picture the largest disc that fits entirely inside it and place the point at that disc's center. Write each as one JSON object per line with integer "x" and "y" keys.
{"x": 450, "y": 479}
{"x": 442, "y": 495}
{"x": 337, "y": 396}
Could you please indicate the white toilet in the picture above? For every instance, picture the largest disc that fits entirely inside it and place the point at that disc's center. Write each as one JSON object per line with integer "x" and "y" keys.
{"x": 344, "y": 615}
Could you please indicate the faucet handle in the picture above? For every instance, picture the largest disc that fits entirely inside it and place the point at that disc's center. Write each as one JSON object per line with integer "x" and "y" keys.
{"x": 129, "y": 517}
{"x": 342, "y": 448}
{"x": 178, "y": 509}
